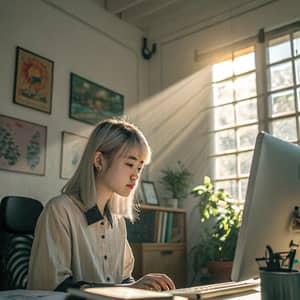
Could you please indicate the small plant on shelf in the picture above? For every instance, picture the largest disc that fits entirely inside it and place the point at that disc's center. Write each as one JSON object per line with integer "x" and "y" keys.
{"x": 177, "y": 182}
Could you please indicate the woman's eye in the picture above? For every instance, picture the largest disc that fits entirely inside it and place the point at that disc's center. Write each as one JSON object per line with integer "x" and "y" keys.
{"x": 129, "y": 165}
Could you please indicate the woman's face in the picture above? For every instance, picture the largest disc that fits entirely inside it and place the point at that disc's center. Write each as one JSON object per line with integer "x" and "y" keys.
{"x": 122, "y": 174}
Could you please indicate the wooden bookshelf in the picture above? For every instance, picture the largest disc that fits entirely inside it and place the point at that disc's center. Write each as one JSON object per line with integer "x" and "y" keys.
{"x": 161, "y": 208}
{"x": 158, "y": 241}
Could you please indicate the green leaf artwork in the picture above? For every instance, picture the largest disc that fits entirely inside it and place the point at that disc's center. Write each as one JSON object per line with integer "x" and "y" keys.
{"x": 9, "y": 150}
{"x": 22, "y": 146}
{"x": 34, "y": 150}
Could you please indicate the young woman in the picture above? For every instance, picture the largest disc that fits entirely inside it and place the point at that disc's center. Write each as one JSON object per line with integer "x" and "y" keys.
{"x": 80, "y": 238}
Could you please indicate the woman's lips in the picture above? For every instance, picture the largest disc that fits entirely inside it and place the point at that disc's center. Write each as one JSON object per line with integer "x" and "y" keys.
{"x": 131, "y": 185}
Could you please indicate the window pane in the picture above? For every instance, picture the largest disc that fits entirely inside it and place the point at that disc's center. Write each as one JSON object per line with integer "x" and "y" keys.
{"x": 282, "y": 103}
{"x": 297, "y": 43}
{"x": 285, "y": 129}
{"x": 246, "y": 111}
{"x": 243, "y": 189}
{"x": 225, "y": 141}
{"x": 279, "y": 49}
{"x": 245, "y": 86}
{"x": 244, "y": 160}
{"x": 225, "y": 166}
{"x": 222, "y": 70}
{"x": 281, "y": 76}
{"x": 297, "y": 64}
{"x": 246, "y": 137}
{"x": 229, "y": 186}
{"x": 224, "y": 116}
{"x": 223, "y": 92}
{"x": 244, "y": 63}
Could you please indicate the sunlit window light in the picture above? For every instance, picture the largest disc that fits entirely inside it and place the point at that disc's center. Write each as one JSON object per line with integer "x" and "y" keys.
{"x": 235, "y": 104}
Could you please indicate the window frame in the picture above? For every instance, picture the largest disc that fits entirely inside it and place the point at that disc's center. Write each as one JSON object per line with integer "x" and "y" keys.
{"x": 264, "y": 118}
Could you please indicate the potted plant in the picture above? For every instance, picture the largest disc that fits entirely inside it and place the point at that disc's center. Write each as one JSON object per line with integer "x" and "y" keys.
{"x": 220, "y": 219}
{"x": 177, "y": 183}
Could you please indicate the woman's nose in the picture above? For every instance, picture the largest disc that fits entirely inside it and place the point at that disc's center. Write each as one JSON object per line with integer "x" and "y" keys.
{"x": 134, "y": 177}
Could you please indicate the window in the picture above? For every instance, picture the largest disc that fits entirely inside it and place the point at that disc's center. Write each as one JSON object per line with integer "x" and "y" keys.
{"x": 283, "y": 74}
{"x": 242, "y": 92}
{"x": 235, "y": 119}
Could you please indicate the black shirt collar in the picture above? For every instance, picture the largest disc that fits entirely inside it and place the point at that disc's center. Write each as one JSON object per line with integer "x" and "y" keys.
{"x": 93, "y": 215}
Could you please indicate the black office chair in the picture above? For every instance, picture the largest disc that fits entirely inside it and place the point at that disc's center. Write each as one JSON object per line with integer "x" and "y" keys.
{"x": 18, "y": 217}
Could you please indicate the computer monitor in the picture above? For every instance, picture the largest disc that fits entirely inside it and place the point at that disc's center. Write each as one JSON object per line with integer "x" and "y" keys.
{"x": 272, "y": 194}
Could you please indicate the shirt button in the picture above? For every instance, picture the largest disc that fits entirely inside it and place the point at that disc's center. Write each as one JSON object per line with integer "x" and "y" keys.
{"x": 107, "y": 279}
{"x": 105, "y": 256}
{"x": 102, "y": 236}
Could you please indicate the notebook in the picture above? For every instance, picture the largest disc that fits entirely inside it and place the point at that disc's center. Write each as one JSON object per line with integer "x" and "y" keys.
{"x": 123, "y": 293}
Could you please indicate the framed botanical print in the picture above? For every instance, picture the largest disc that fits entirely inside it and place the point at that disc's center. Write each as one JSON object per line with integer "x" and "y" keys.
{"x": 72, "y": 147}
{"x": 33, "y": 80}
{"x": 91, "y": 102}
{"x": 22, "y": 146}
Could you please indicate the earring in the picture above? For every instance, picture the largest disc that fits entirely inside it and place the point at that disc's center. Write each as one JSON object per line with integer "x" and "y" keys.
{"x": 98, "y": 170}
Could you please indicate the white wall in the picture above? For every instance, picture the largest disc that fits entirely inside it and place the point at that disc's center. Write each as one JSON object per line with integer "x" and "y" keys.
{"x": 176, "y": 56}
{"x": 79, "y": 38}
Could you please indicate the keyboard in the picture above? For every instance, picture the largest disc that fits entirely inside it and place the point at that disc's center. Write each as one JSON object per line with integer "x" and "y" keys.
{"x": 218, "y": 289}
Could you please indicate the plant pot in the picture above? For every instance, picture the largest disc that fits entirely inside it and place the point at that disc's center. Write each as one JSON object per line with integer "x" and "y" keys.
{"x": 172, "y": 202}
{"x": 220, "y": 270}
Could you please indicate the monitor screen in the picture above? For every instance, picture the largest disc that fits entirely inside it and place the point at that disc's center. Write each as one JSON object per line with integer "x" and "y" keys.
{"x": 272, "y": 194}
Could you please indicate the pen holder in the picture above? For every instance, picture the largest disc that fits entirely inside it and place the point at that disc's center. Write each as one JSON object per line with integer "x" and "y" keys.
{"x": 280, "y": 285}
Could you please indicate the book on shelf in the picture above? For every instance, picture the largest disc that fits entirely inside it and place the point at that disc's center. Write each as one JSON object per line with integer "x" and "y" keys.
{"x": 123, "y": 293}
{"x": 169, "y": 227}
{"x": 163, "y": 227}
{"x": 158, "y": 221}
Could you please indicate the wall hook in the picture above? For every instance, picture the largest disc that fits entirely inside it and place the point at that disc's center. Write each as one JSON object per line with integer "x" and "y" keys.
{"x": 146, "y": 52}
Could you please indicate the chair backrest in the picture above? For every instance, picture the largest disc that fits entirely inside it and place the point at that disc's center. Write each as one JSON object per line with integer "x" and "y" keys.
{"x": 18, "y": 217}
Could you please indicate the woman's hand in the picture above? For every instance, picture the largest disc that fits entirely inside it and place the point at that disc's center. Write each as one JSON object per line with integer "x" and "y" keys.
{"x": 154, "y": 281}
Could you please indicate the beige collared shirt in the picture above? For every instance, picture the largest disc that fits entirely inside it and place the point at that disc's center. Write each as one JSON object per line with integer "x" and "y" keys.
{"x": 66, "y": 246}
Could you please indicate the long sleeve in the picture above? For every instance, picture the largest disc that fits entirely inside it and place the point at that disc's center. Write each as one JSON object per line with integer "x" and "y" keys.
{"x": 50, "y": 262}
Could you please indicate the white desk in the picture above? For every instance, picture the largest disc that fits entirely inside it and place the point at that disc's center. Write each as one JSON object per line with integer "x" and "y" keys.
{"x": 48, "y": 295}
{"x": 255, "y": 295}
{"x": 31, "y": 295}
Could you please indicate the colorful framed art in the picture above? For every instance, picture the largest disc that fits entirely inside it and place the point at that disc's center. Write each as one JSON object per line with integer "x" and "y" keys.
{"x": 91, "y": 102}
{"x": 22, "y": 146}
{"x": 72, "y": 147}
{"x": 33, "y": 80}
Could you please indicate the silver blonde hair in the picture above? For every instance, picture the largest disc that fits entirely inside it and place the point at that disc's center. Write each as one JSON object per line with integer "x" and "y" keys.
{"x": 110, "y": 137}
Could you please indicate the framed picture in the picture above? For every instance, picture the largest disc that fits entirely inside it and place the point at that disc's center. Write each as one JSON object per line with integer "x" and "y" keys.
{"x": 72, "y": 147}
{"x": 33, "y": 80}
{"x": 91, "y": 102}
{"x": 149, "y": 192}
{"x": 22, "y": 146}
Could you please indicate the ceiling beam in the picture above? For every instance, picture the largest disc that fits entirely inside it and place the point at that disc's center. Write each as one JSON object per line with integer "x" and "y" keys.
{"x": 119, "y": 6}
{"x": 147, "y": 8}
